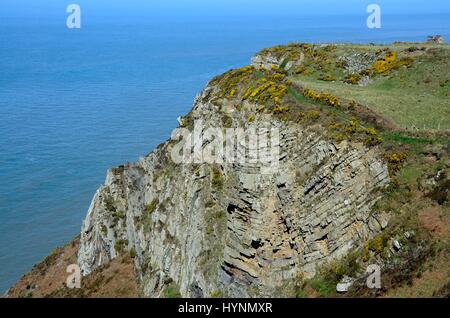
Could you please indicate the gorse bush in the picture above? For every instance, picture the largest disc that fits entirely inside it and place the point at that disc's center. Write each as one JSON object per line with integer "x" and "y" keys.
{"x": 309, "y": 116}
{"x": 353, "y": 130}
{"x": 217, "y": 178}
{"x": 271, "y": 88}
{"x": 230, "y": 81}
{"x": 261, "y": 87}
{"x": 389, "y": 62}
{"x": 322, "y": 97}
{"x": 280, "y": 109}
{"x": 372, "y": 137}
{"x": 327, "y": 78}
{"x": 395, "y": 162}
{"x": 376, "y": 245}
{"x": 352, "y": 79}
{"x": 386, "y": 63}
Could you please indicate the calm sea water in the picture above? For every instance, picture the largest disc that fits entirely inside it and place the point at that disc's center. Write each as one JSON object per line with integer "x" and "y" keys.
{"x": 75, "y": 102}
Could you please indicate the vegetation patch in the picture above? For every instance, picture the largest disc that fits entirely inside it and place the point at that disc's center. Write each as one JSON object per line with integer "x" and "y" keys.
{"x": 172, "y": 291}
{"x": 322, "y": 97}
{"x": 352, "y": 79}
{"x": 386, "y": 63}
{"x": 217, "y": 178}
{"x": 400, "y": 87}
{"x": 395, "y": 161}
{"x": 151, "y": 207}
{"x": 440, "y": 193}
{"x": 327, "y": 78}
{"x": 120, "y": 245}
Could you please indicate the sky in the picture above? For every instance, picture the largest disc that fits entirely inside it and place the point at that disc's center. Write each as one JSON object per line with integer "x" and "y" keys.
{"x": 208, "y": 8}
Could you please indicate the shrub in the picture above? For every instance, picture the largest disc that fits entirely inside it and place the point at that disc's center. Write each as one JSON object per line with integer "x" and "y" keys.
{"x": 110, "y": 204}
{"x": 334, "y": 126}
{"x": 104, "y": 230}
{"x": 216, "y": 294}
{"x": 323, "y": 286}
{"x": 352, "y": 104}
{"x": 395, "y": 162}
{"x": 352, "y": 79}
{"x": 406, "y": 61}
{"x": 327, "y": 78}
{"x": 371, "y": 131}
{"x": 302, "y": 70}
{"x": 373, "y": 139}
{"x": 390, "y": 62}
{"x": 150, "y": 208}
{"x": 386, "y": 63}
{"x": 120, "y": 215}
{"x": 217, "y": 178}
{"x": 339, "y": 137}
{"x": 375, "y": 245}
{"x": 313, "y": 114}
{"x": 230, "y": 80}
{"x": 352, "y": 126}
{"x": 322, "y": 97}
{"x": 172, "y": 291}
{"x": 270, "y": 88}
{"x": 227, "y": 121}
{"x": 120, "y": 244}
{"x": 280, "y": 109}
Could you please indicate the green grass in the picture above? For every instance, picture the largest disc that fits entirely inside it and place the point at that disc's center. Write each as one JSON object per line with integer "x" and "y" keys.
{"x": 401, "y": 138}
{"x": 407, "y": 109}
{"x": 217, "y": 178}
{"x": 150, "y": 208}
{"x": 338, "y": 113}
{"x": 415, "y": 98}
{"x": 323, "y": 286}
{"x": 409, "y": 175}
{"x": 172, "y": 291}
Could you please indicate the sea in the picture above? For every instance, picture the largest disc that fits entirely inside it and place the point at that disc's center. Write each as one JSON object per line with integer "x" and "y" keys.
{"x": 75, "y": 102}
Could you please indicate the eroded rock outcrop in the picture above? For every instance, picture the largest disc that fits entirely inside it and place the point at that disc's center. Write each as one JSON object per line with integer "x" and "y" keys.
{"x": 227, "y": 228}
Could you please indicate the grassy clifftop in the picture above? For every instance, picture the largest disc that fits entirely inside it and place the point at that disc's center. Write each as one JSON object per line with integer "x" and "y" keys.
{"x": 408, "y": 83}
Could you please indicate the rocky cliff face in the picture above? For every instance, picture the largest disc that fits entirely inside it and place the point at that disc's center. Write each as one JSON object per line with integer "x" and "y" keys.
{"x": 228, "y": 229}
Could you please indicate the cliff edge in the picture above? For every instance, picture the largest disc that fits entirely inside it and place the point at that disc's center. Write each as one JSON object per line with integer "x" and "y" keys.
{"x": 310, "y": 189}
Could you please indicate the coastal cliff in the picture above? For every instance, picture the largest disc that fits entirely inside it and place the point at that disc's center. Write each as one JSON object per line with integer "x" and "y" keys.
{"x": 246, "y": 232}
{"x": 237, "y": 229}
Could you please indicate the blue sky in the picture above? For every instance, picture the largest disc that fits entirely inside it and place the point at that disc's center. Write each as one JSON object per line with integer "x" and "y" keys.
{"x": 226, "y": 7}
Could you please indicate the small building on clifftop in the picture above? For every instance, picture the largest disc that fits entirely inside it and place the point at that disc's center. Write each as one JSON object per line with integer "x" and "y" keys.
{"x": 438, "y": 39}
